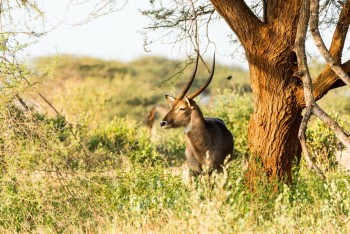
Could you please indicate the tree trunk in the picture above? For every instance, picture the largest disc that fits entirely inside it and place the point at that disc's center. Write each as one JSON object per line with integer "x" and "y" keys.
{"x": 278, "y": 95}
{"x": 273, "y": 128}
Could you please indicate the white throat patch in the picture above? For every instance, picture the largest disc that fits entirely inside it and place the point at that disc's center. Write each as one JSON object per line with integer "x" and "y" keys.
{"x": 188, "y": 127}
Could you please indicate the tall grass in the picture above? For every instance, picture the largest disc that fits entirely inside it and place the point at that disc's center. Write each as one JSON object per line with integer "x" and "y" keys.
{"x": 86, "y": 175}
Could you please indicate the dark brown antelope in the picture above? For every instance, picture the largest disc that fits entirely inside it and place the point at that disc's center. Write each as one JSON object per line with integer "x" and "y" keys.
{"x": 209, "y": 142}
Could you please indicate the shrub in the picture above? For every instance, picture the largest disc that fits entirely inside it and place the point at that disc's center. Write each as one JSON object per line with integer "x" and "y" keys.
{"x": 122, "y": 137}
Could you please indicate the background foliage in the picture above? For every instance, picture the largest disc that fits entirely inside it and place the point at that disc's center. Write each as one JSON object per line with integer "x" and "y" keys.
{"x": 125, "y": 89}
{"x": 89, "y": 172}
{"x": 106, "y": 89}
{"x": 76, "y": 158}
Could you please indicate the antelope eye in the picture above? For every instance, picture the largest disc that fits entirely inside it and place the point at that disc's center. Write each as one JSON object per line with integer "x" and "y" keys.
{"x": 182, "y": 108}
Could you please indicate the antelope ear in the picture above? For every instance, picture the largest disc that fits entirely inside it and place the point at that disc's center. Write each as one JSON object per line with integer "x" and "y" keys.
{"x": 189, "y": 102}
{"x": 170, "y": 99}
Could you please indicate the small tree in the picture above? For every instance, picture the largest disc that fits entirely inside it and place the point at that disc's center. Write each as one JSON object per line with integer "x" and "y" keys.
{"x": 274, "y": 46}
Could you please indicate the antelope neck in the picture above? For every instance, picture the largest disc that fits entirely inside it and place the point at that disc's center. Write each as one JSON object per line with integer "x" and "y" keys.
{"x": 196, "y": 132}
{"x": 197, "y": 124}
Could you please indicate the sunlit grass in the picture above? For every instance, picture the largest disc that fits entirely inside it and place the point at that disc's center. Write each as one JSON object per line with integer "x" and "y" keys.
{"x": 95, "y": 174}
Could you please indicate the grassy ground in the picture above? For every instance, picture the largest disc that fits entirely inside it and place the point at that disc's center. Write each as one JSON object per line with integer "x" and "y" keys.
{"x": 90, "y": 175}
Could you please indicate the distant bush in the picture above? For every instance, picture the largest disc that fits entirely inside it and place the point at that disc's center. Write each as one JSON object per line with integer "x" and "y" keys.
{"x": 108, "y": 88}
{"x": 124, "y": 89}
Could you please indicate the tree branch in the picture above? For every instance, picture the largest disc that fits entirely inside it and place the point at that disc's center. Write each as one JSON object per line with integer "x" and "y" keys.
{"x": 239, "y": 17}
{"x": 286, "y": 12}
{"x": 196, "y": 37}
{"x": 304, "y": 74}
{"x": 24, "y": 2}
{"x": 314, "y": 7}
{"x": 339, "y": 132}
{"x": 311, "y": 105}
{"x": 271, "y": 10}
{"x": 264, "y": 11}
{"x": 328, "y": 80}
{"x": 340, "y": 32}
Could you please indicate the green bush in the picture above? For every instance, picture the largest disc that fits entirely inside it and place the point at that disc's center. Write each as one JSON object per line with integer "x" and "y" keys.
{"x": 122, "y": 137}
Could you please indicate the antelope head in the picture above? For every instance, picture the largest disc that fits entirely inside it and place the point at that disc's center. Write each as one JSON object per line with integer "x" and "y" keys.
{"x": 183, "y": 106}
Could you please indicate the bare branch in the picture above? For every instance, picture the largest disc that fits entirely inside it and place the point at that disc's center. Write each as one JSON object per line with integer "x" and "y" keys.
{"x": 314, "y": 7}
{"x": 340, "y": 33}
{"x": 22, "y": 102}
{"x": 304, "y": 74}
{"x": 302, "y": 138}
{"x": 328, "y": 80}
{"x": 25, "y": 2}
{"x": 311, "y": 105}
{"x": 196, "y": 37}
{"x": 264, "y": 11}
{"x": 339, "y": 132}
{"x": 176, "y": 23}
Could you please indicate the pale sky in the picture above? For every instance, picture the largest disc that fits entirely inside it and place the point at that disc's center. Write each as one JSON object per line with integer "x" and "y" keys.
{"x": 115, "y": 36}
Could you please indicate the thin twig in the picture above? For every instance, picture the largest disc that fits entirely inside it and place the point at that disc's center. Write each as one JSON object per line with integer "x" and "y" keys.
{"x": 22, "y": 102}
{"x": 196, "y": 37}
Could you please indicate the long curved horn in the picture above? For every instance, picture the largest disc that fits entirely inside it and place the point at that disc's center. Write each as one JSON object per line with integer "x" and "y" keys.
{"x": 195, "y": 94}
{"x": 190, "y": 81}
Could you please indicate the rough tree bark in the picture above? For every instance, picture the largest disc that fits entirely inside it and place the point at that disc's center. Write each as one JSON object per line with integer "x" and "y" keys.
{"x": 278, "y": 94}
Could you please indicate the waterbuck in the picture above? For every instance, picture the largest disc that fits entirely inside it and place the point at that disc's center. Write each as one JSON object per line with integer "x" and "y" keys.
{"x": 209, "y": 141}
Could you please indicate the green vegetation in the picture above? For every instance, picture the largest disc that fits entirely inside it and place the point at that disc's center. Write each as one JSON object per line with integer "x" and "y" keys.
{"x": 100, "y": 174}
{"x": 85, "y": 86}
{"x": 78, "y": 158}
{"x": 125, "y": 89}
